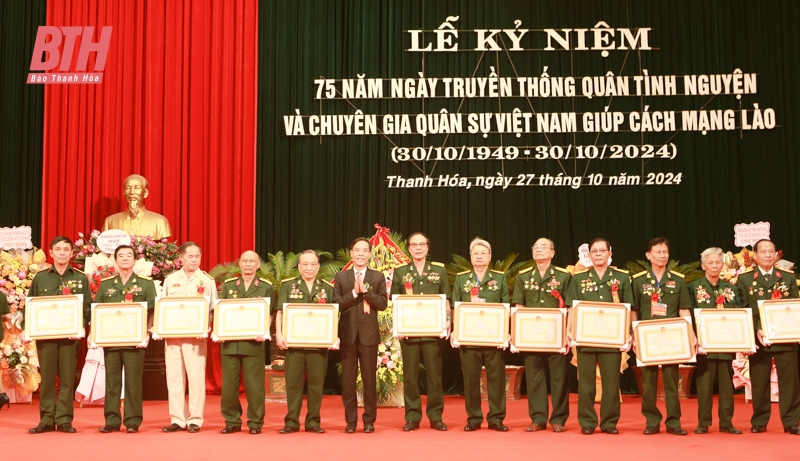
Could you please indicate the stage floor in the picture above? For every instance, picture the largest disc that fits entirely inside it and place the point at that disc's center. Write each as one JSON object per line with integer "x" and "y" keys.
{"x": 389, "y": 441}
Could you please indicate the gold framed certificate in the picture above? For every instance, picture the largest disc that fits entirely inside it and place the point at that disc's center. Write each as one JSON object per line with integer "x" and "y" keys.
{"x": 780, "y": 320}
{"x": 663, "y": 341}
{"x": 481, "y": 324}
{"x": 538, "y": 329}
{"x": 240, "y": 319}
{"x": 119, "y": 324}
{"x": 310, "y": 325}
{"x": 419, "y": 315}
{"x": 725, "y": 330}
{"x": 181, "y": 317}
{"x": 53, "y": 317}
{"x": 597, "y": 324}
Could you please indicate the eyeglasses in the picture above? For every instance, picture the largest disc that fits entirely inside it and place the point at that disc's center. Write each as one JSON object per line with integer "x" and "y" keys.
{"x": 599, "y": 252}
{"x": 542, "y": 247}
{"x": 482, "y": 255}
{"x": 417, "y": 245}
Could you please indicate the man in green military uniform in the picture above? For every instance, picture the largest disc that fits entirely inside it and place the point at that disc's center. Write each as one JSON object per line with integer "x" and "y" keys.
{"x": 58, "y": 358}
{"x": 544, "y": 286}
{"x": 422, "y": 277}
{"x": 306, "y": 288}
{"x": 711, "y": 292}
{"x": 125, "y": 287}
{"x": 482, "y": 285}
{"x": 768, "y": 282}
{"x": 244, "y": 357}
{"x": 660, "y": 294}
{"x": 599, "y": 283}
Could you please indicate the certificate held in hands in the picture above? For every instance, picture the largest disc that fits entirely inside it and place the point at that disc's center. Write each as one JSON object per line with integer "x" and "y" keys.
{"x": 597, "y": 324}
{"x": 119, "y": 324}
{"x": 780, "y": 320}
{"x": 54, "y": 317}
{"x": 310, "y": 325}
{"x": 419, "y": 315}
{"x": 181, "y": 317}
{"x": 241, "y": 319}
{"x": 538, "y": 330}
{"x": 663, "y": 341}
{"x": 481, "y": 324}
{"x": 725, "y": 330}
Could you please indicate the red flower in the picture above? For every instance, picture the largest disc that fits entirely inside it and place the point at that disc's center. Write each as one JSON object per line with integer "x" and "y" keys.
{"x": 654, "y": 297}
{"x": 408, "y": 285}
{"x": 615, "y": 288}
{"x": 320, "y": 300}
{"x": 201, "y": 290}
{"x": 474, "y": 291}
{"x": 66, "y": 291}
{"x": 128, "y": 297}
{"x": 112, "y": 270}
{"x": 720, "y": 300}
{"x": 776, "y": 294}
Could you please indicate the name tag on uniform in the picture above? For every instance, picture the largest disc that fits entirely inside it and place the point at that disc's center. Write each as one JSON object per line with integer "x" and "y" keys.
{"x": 658, "y": 310}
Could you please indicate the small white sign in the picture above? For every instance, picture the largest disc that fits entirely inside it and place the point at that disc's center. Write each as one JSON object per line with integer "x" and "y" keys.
{"x": 109, "y": 240}
{"x": 18, "y": 238}
{"x": 583, "y": 255}
{"x": 749, "y": 234}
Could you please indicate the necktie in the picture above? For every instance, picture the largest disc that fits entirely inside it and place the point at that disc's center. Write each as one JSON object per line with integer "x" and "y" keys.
{"x": 766, "y": 277}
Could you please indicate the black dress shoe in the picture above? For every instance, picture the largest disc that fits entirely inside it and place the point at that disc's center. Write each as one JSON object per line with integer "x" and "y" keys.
{"x": 41, "y": 428}
{"x": 587, "y": 430}
{"x": 730, "y": 430}
{"x": 108, "y": 428}
{"x": 4, "y": 400}
{"x": 438, "y": 425}
{"x": 173, "y": 428}
{"x": 315, "y": 429}
{"x": 701, "y": 430}
{"x": 758, "y": 429}
{"x": 350, "y": 428}
{"x": 499, "y": 427}
{"x": 611, "y": 430}
{"x": 230, "y": 429}
{"x": 676, "y": 431}
{"x": 794, "y": 430}
{"x": 287, "y": 430}
{"x": 255, "y": 430}
{"x": 472, "y": 427}
{"x": 369, "y": 428}
{"x": 66, "y": 428}
{"x": 410, "y": 426}
{"x": 194, "y": 428}
{"x": 132, "y": 429}
{"x": 650, "y": 430}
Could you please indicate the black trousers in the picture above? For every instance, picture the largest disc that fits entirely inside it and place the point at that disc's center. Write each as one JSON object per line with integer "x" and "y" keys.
{"x": 367, "y": 356}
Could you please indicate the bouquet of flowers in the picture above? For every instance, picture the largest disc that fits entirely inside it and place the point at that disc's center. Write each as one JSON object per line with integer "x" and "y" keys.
{"x": 18, "y": 365}
{"x": 16, "y": 274}
{"x": 163, "y": 255}
{"x": 390, "y": 368}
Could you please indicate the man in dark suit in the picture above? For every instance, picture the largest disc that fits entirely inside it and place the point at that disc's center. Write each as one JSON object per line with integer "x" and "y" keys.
{"x": 360, "y": 293}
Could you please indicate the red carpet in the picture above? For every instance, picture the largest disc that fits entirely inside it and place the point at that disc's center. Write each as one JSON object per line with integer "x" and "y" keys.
{"x": 389, "y": 441}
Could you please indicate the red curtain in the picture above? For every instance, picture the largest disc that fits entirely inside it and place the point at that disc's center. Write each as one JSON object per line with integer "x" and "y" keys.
{"x": 177, "y": 105}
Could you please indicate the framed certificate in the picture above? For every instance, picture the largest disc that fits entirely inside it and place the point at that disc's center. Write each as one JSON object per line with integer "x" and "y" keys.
{"x": 663, "y": 341}
{"x": 597, "y": 324}
{"x": 538, "y": 330}
{"x": 181, "y": 317}
{"x": 54, "y": 317}
{"x": 725, "y": 330}
{"x": 780, "y": 320}
{"x": 419, "y": 315}
{"x": 481, "y": 324}
{"x": 119, "y": 324}
{"x": 310, "y": 325}
{"x": 238, "y": 319}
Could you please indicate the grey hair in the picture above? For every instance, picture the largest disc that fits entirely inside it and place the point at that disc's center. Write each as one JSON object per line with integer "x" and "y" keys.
{"x": 711, "y": 251}
{"x": 479, "y": 241}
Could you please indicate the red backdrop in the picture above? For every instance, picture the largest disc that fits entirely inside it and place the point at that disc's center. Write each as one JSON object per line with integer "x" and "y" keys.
{"x": 177, "y": 105}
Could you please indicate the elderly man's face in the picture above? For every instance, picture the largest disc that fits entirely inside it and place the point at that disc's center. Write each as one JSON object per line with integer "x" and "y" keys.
{"x": 135, "y": 192}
